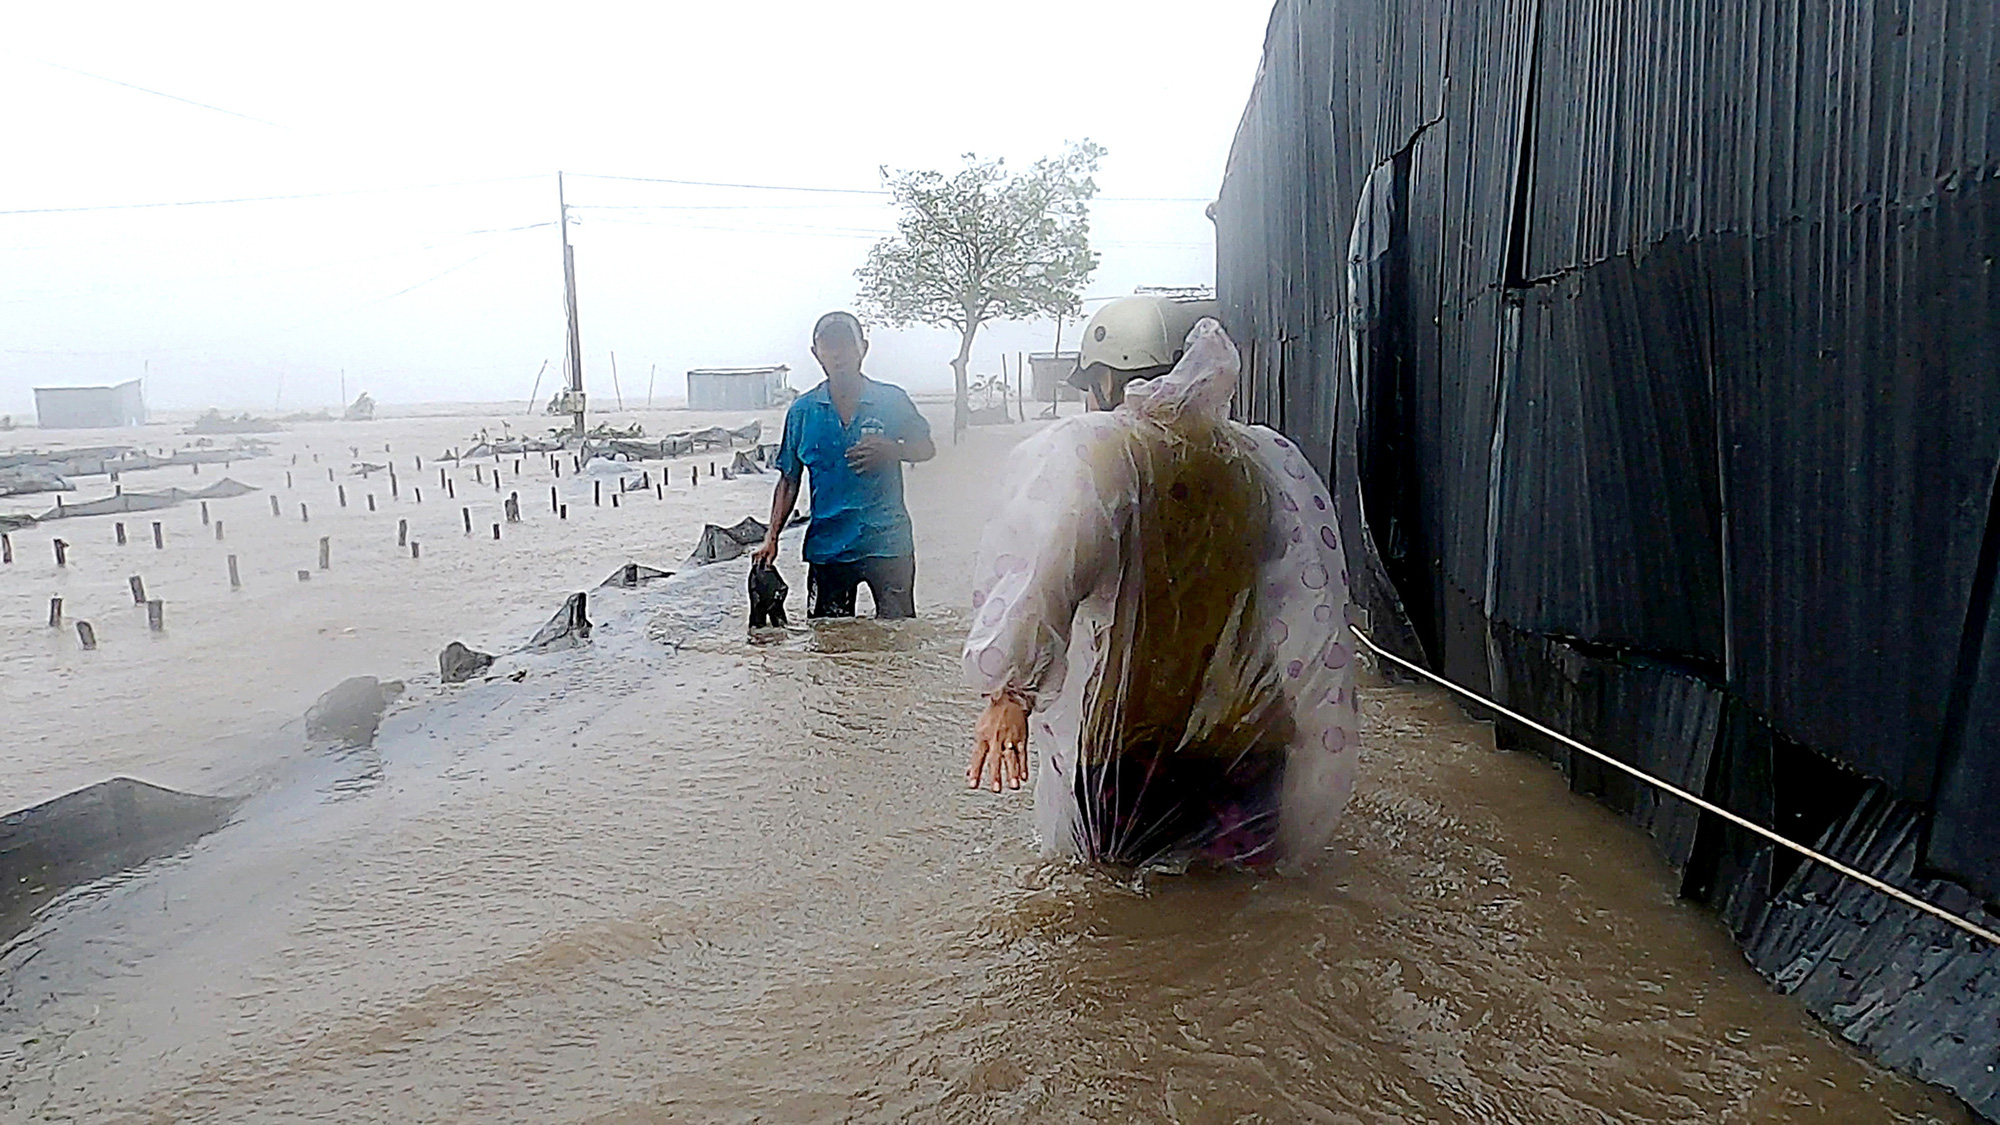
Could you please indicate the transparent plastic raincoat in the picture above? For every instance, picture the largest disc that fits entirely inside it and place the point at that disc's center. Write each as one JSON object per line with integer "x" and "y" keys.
{"x": 1167, "y": 591}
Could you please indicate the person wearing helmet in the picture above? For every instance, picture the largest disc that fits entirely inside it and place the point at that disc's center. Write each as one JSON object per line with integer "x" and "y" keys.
{"x": 1162, "y": 596}
{"x": 1133, "y": 338}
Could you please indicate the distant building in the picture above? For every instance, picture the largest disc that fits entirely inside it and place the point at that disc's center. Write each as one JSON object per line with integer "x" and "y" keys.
{"x": 1050, "y": 369}
{"x": 90, "y": 408}
{"x": 738, "y": 388}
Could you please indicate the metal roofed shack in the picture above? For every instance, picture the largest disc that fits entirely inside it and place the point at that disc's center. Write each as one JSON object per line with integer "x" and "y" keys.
{"x": 738, "y": 388}
{"x": 89, "y": 408}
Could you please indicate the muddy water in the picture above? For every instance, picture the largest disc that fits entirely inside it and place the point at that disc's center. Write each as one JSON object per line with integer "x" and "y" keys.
{"x": 680, "y": 877}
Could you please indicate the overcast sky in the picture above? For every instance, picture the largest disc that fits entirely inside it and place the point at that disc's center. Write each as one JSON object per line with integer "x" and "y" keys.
{"x": 432, "y": 133}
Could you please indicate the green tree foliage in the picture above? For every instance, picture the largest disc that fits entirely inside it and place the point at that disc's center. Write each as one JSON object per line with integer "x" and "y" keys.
{"x": 984, "y": 244}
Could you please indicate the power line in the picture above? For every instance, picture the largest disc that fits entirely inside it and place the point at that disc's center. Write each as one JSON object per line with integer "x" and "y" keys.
{"x": 265, "y": 198}
{"x": 741, "y": 187}
{"x": 163, "y": 94}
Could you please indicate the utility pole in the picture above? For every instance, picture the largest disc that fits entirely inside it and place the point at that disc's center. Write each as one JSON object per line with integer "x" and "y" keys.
{"x": 574, "y": 358}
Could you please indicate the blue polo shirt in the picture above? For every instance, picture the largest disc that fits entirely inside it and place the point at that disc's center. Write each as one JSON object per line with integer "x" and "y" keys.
{"x": 855, "y": 516}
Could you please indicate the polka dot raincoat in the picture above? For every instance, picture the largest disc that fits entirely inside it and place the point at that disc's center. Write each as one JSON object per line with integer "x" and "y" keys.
{"x": 1167, "y": 591}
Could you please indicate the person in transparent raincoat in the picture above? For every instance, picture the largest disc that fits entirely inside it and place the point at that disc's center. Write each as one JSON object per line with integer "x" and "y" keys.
{"x": 1161, "y": 599}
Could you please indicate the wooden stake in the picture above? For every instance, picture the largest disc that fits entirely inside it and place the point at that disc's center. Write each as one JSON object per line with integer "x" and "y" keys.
{"x": 274, "y": 507}
{"x": 413, "y": 549}
{"x": 159, "y": 539}
{"x": 402, "y": 533}
{"x": 343, "y": 496}
{"x": 218, "y": 531}
{"x": 288, "y": 480}
{"x": 597, "y": 493}
{"x": 86, "y": 635}
{"x": 156, "y": 615}
{"x": 138, "y": 589}
{"x": 235, "y": 581}
{"x": 305, "y": 575}
{"x": 55, "y": 613}
{"x": 7, "y": 545}
{"x": 303, "y": 517}
{"x": 326, "y": 552}
{"x": 450, "y": 490}
{"x": 496, "y": 533}
{"x": 563, "y": 512}
{"x": 467, "y": 513}
{"x": 62, "y": 552}
{"x": 204, "y": 513}
{"x": 614, "y": 499}
{"x": 553, "y": 502}
{"x": 371, "y": 501}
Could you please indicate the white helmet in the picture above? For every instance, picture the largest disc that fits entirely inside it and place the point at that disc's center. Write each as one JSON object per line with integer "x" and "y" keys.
{"x": 1142, "y": 335}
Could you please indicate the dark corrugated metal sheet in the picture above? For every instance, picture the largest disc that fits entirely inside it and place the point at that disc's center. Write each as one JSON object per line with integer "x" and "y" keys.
{"x": 1650, "y": 347}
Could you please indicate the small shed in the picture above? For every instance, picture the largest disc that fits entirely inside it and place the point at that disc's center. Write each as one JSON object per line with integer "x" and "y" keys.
{"x": 737, "y": 388}
{"x": 1050, "y": 369}
{"x": 89, "y": 408}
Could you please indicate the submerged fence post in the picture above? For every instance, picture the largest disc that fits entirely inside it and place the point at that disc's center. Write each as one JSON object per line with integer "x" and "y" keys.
{"x": 402, "y": 533}
{"x": 467, "y": 513}
{"x": 288, "y": 482}
{"x": 496, "y": 533}
{"x": 450, "y": 490}
{"x": 159, "y": 539}
{"x": 413, "y": 549}
{"x": 119, "y": 530}
{"x": 554, "y": 504}
{"x": 303, "y": 517}
{"x": 371, "y": 501}
{"x": 343, "y": 495}
{"x": 62, "y": 551}
{"x": 218, "y": 531}
{"x": 138, "y": 589}
{"x": 274, "y": 507}
{"x": 325, "y": 552}
{"x": 86, "y": 635}
{"x": 156, "y": 615}
{"x": 597, "y": 493}
{"x": 55, "y": 613}
{"x": 235, "y": 580}
{"x": 204, "y": 513}
{"x": 7, "y": 547}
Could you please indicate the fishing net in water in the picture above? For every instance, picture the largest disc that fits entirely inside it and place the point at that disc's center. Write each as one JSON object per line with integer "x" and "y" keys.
{"x": 1168, "y": 590}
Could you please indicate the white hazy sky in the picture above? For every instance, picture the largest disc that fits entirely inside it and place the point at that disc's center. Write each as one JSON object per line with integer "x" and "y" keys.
{"x": 432, "y": 134}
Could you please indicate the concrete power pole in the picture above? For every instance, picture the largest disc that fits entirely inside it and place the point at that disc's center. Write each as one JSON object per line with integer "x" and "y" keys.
{"x": 574, "y": 357}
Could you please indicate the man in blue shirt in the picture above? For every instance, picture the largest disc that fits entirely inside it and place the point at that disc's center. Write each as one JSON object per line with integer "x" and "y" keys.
{"x": 853, "y": 435}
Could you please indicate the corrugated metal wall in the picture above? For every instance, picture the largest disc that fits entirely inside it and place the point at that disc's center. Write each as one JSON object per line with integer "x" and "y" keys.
{"x": 1656, "y": 344}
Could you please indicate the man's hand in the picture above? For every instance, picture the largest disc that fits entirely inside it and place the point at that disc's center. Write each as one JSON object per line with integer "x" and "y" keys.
{"x": 767, "y": 551}
{"x": 1000, "y": 749}
{"x": 873, "y": 454}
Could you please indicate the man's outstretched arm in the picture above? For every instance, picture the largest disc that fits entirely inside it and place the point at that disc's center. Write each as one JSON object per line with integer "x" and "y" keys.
{"x": 783, "y": 499}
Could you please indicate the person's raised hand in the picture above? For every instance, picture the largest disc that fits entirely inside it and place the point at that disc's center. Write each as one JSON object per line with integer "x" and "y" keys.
{"x": 873, "y": 453}
{"x": 1000, "y": 747}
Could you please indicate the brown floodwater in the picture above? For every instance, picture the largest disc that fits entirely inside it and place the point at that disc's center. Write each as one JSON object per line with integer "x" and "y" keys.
{"x": 676, "y": 876}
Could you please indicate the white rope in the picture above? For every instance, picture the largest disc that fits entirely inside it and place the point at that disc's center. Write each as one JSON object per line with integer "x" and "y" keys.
{"x": 1864, "y": 878}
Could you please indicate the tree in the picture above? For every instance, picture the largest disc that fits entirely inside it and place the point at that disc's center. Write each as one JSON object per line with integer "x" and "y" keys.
{"x": 983, "y": 245}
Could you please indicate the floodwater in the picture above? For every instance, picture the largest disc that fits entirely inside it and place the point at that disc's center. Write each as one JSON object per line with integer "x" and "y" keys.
{"x": 676, "y": 876}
